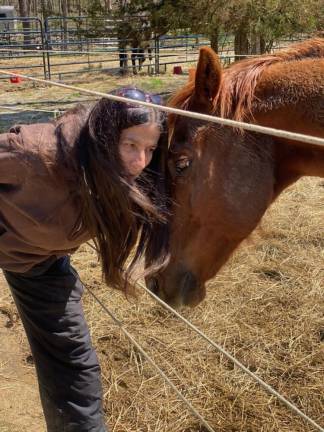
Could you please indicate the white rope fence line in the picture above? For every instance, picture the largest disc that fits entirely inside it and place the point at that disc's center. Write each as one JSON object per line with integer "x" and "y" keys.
{"x": 149, "y": 359}
{"x": 263, "y": 384}
{"x": 252, "y": 375}
{"x": 198, "y": 116}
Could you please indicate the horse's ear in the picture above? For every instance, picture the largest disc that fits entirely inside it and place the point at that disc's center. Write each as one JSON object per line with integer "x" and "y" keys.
{"x": 207, "y": 80}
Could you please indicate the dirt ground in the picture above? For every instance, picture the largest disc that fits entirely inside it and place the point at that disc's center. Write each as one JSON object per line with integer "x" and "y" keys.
{"x": 20, "y": 409}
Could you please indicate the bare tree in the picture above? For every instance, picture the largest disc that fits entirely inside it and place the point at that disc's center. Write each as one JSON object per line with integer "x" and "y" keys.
{"x": 65, "y": 13}
{"x": 24, "y": 13}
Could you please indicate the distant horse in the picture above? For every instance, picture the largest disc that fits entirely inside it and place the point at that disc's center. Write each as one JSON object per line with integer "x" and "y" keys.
{"x": 138, "y": 57}
{"x": 138, "y": 41}
{"x": 224, "y": 179}
{"x": 141, "y": 42}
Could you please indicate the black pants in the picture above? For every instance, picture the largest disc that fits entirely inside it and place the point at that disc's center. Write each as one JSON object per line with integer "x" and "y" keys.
{"x": 48, "y": 299}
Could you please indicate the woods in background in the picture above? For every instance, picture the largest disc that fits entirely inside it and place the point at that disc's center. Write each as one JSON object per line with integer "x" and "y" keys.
{"x": 255, "y": 24}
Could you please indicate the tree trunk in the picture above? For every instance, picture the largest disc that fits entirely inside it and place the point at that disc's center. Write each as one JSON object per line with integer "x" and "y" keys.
{"x": 50, "y": 9}
{"x": 108, "y": 6}
{"x": 23, "y": 11}
{"x": 254, "y": 44}
{"x": 65, "y": 24}
{"x": 258, "y": 44}
{"x": 32, "y": 8}
{"x": 263, "y": 45}
{"x": 44, "y": 8}
{"x": 241, "y": 42}
{"x": 214, "y": 39}
{"x": 79, "y": 8}
{"x": 69, "y": 6}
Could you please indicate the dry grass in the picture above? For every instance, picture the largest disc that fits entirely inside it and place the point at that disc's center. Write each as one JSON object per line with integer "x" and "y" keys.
{"x": 104, "y": 69}
{"x": 30, "y": 96}
{"x": 29, "y": 92}
{"x": 265, "y": 307}
{"x": 84, "y": 63}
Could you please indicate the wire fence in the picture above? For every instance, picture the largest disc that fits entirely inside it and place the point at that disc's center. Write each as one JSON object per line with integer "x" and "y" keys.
{"x": 65, "y": 46}
{"x": 62, "y": 47}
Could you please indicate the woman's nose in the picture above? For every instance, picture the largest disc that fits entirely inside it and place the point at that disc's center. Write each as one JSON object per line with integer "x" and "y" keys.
{"x": 140, "y": 160}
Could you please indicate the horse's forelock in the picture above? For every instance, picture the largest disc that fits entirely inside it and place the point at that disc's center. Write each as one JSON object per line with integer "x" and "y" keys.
{"x": 180, "y": 100}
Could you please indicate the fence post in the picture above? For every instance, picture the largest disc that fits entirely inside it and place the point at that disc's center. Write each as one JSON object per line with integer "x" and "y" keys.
{"x": 157, "y": 54}
{"x": 43, "y": 38}
{"x": 47, "y": 45}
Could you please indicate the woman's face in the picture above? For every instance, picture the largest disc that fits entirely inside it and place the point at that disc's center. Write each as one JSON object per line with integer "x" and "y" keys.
{"x": 136, "y": 147}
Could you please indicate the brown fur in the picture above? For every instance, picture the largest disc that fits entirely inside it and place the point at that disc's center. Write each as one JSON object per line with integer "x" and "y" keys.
{"x": 232, "y": 178}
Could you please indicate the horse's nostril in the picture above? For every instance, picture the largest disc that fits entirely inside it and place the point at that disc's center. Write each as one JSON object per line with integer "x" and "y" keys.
{"x": 153, "y": 286}
{"x": 189, "y": 282}
{"x": 189, "y": 286}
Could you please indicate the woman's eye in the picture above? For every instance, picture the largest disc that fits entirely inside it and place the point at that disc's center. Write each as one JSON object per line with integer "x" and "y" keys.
{"x": 130, "y": 146}
{"x": 182, "y": 164}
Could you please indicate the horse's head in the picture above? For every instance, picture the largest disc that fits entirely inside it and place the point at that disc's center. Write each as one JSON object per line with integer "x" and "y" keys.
{"x": 209, "y": 187}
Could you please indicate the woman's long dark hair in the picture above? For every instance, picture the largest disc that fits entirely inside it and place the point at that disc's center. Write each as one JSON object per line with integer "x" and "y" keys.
{"x": 120, "y": 215}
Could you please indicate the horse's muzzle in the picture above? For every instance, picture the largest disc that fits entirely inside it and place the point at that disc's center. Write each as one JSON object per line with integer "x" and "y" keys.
{"x": 181, "y": 290}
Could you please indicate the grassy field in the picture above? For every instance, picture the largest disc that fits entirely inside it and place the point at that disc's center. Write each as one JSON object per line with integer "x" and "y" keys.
{"x": 265, "y": 307}
{"x": 71, "y": 66}
{"x": 28, "y": 102}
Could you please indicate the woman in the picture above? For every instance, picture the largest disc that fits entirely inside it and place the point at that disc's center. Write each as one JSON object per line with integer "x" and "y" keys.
{"x": 91, "y": 174}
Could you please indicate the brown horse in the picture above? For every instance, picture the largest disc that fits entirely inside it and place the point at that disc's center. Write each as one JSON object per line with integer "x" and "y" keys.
{"x": 224, "y": 179}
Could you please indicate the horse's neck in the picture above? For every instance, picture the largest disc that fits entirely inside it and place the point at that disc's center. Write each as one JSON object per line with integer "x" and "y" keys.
{"x": 290, "y": 96}
{"x": 292, "y": 99}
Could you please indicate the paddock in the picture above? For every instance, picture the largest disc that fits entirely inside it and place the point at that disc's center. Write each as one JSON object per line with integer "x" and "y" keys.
{"x": 265, "y": 308}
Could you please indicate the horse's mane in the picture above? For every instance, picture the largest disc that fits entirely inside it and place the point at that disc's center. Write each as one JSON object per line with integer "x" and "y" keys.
{"x": 239, "y": 81}
{"x": 180, "y": 100}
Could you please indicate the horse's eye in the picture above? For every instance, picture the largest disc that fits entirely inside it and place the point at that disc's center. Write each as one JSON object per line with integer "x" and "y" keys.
{"x": 182, "y": 164}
